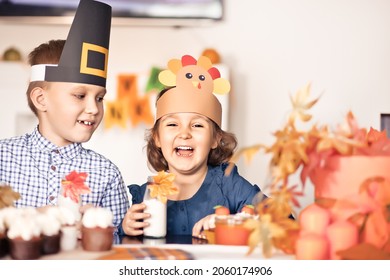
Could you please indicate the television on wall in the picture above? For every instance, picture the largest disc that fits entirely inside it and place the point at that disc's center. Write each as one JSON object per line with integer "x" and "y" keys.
{"x": 124, "y": 12}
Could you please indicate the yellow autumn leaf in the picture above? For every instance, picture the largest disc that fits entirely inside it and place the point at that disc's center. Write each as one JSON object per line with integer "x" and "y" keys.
{"x": 301, "y": 104}
{"x": 162, "y": 186}
{"x": 7, "y": 196}
{"x": 263, "y": 230}
{"x": 247, "y": 152}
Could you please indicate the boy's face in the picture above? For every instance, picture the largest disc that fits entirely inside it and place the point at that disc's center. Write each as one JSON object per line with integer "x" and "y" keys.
{"x": 185, "y": 140}
{"x": 71, "y": 113}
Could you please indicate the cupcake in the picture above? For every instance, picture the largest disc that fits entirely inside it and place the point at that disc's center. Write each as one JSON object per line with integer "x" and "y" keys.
{"x": 68, "y": 229}
{"x": 24, "y": 236}
{"x": 50, "y": 231}
{"x": 97, "y": 229}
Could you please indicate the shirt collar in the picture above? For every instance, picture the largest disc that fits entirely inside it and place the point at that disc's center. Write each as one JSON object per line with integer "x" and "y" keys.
{"x": 41, "y": 143}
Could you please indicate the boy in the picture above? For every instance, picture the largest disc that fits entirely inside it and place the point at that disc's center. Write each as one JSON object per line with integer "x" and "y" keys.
{"x": 66, "y": 92}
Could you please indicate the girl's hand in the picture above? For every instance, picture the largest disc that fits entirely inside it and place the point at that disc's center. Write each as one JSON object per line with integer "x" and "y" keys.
{"x": 206, "y": 223}
{"x": 133, "y": 222}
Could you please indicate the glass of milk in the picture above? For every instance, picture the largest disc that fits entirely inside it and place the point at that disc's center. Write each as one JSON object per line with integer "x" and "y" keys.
{"x": 158, "y": 215}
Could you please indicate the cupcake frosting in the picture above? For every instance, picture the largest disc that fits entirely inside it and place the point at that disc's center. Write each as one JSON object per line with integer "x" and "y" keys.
{"x": 97, "y": 217}
{"x": 2, "y": 222}
{"x": 49, "y": 224}
{"x": 25, "y": 226}
{"x": 63, "y": 215}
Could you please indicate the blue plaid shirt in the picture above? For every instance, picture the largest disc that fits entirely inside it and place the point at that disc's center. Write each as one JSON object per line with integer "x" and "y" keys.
{"x": 33, "y": 166}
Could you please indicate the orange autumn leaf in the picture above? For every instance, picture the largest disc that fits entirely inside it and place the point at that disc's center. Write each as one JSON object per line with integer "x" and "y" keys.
{"x": 74, "y": 185}
{"x": 377, "y": 143}
{"x": 162, "y": 186}
{"x": 288, "y": 152}
{"x": 375, "y": 135}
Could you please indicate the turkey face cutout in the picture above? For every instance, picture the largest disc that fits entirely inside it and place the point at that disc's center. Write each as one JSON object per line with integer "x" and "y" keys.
{"x": 194, "y": 78}
{"x": 194, "y": 83}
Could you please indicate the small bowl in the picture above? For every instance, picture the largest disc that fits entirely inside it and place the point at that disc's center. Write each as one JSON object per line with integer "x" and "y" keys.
{"x": 230, "y": 230}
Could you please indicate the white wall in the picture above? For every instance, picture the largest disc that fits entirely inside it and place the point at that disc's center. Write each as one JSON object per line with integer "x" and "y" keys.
{"x": 272, "y": 48}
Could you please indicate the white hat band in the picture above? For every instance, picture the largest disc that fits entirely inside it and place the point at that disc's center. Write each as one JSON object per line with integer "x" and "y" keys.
{"x": 38, "y": 72}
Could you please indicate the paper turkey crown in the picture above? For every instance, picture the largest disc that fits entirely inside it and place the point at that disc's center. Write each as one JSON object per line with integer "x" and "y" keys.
{"x": 194, "y": 83}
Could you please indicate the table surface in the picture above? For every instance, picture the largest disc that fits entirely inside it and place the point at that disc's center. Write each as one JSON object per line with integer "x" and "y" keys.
{"x": 199, "y": 249}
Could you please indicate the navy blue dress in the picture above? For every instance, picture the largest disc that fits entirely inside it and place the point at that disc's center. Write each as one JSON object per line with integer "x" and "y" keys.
{"x": 232, "y": 191}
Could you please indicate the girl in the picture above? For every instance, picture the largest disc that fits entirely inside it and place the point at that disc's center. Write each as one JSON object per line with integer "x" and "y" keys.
{"x": 187, "y": 141}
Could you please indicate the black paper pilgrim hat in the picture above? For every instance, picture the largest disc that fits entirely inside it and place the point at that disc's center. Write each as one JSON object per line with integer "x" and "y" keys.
{"x": 84, "y": 58}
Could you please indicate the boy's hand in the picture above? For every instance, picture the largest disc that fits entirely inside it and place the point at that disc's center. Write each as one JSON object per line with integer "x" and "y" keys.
{"x": 133, "y": 223}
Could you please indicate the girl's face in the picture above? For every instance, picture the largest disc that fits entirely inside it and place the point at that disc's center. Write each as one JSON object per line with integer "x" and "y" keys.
{"x": 185, "y": 140}
{"x": 72, "y": 112}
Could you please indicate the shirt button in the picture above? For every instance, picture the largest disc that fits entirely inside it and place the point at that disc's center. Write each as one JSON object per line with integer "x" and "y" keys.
{"x": 51, "y": 198}
{"x": 53, "y": 168}
{"x": 56, "y": 151}
{"x": 183, "y": 228}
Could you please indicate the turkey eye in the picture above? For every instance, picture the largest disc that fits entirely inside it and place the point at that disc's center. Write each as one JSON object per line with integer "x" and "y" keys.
{"x": 202, "y": 78}
{"x": 188, "y": 75}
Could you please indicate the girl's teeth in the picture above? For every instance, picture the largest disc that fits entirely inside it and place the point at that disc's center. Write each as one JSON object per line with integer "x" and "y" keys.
{"x": 85, "y": 122}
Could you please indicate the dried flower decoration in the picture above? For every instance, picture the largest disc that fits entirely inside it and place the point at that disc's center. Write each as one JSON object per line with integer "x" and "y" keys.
{"x": 162, "y": 186}
{"x": 308, "y": 152}
{"x": 7, "y": 196}
{"x": 74, "y": 185}
{"x": 294, "y": 148}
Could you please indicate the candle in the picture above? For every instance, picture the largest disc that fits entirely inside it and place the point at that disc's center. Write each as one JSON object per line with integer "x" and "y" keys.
{"x": 341, "y": 235}
{"x": 314, "y": 219}
{"x": 312, "y": 246}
